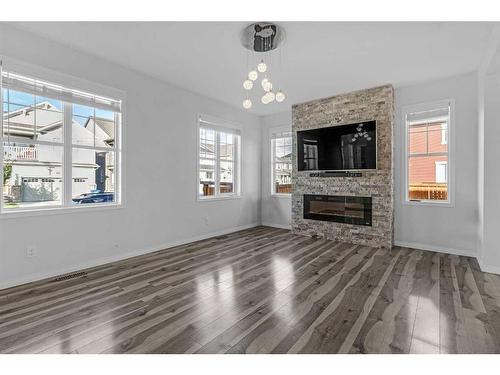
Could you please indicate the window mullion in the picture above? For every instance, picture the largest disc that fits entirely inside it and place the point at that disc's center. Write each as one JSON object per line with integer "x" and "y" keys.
{"x": 236, "y": 165}
{"x": 67, "y": 152}
{"x": 217, "y": 163}
{"x": 273, "y": 165}
{"x": 407, "y": 161}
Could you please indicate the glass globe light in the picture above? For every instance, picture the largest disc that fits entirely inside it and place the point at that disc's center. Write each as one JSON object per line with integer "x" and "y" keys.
{"x": 280, "y": 96}
{"x": 266, "y": 84}
{"x": 369, "y": 138}
{"x": 353, "y": 140}
{"x": 247, "y": 84}
{"x": 247, "y": 104}
{"x": 253, "y": 75}
{"x": 271, "y": 96}
{"x": 262, "y": 67}
{"x": 265, "y": 99}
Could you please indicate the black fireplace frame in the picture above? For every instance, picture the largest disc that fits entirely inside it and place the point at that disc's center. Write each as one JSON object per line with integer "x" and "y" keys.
{"x": 366, "y": 201}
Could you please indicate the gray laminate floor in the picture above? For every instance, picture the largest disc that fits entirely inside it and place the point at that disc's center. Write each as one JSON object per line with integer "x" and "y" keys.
{"x": 261, "y": 290}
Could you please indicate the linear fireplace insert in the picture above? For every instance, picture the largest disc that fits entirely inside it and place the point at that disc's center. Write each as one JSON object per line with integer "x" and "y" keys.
{"x": 338, "y": 208}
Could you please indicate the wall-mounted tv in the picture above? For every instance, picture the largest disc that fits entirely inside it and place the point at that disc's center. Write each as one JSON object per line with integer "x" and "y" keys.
{"x": 338, "y": 148}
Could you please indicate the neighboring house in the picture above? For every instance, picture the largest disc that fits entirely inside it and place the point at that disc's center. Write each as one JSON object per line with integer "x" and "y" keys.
{"x": 37, "y": 169}
{"x": 207, "y": 165}
{"x": 283, "y": 169}
{"x": 427, "y": 147}
{"x": 105, "y": 135}
{"x": 428, "y": 161}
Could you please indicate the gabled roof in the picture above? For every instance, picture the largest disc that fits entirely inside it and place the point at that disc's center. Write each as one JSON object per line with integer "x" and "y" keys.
{"x": 21, "y": 120}
{"x": 206, "y": 148}
{"x": 285, "y": 157}
{"x": 43, "y": 105}
{"x": 107, "y": 126}
{"x": 21, "y": 123}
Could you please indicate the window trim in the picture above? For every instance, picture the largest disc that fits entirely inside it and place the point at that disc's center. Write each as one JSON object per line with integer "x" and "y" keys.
{"x": 79, "y": 84}
{"x": 422, "y": 107}
{"x": 272, "y": 131}
{"x": 219, "y": 125}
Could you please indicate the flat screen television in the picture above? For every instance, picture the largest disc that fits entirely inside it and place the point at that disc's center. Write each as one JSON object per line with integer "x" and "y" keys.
{"x": 338, "y": 148}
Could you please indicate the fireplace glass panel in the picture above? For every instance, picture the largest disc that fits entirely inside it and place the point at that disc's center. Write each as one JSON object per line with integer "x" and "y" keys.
{"x": 343, "y": 209}
{"x": 327, "y": 208}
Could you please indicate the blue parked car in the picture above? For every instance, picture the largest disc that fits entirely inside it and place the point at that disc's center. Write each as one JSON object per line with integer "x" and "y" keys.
{"x": 97, "y": 197}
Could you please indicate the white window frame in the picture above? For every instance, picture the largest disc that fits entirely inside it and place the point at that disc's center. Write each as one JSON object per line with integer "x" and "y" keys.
{"x": 85, "y": 87}
{"x": 423, "y": 107}
{"x": 272, "y": 137}
{"x": 219, "y": 126}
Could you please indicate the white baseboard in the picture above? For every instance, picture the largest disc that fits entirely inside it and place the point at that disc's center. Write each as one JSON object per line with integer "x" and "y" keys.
{"x": 116, "y": 258}
{"x": 282, "y": 226}
{"x": 487, "y": 268}
{"x": 447, "y": 250}
{"x": 439, "y": 249}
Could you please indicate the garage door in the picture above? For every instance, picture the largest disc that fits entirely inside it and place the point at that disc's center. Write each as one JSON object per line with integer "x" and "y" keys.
{"x": 40, "y": 189}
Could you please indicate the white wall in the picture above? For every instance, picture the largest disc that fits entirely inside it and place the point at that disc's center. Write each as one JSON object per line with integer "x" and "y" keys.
{"x": 447, "y": 229}
{"x": 490, "y": 251}
{"x": 160, "y": 148}
{"x": 276, "y": 210}
{"x": 452, "y": 229}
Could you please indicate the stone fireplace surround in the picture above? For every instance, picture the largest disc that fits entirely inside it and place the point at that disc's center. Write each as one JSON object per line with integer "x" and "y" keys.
{"x": 371, "y": 104}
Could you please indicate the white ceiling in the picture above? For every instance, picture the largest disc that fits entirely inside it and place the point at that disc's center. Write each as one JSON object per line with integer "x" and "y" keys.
{"x": 317, "y": 60}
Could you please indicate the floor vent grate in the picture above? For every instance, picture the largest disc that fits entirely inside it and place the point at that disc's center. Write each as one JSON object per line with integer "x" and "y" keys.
{"x": 70, "y": 276}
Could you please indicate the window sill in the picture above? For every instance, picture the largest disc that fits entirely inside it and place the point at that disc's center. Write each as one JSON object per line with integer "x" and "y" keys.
{"x": 429, "y": 204}
{"x": 277, "y": 195}
{"x": 19, "y": 213}
{"x": 211, "y": 199}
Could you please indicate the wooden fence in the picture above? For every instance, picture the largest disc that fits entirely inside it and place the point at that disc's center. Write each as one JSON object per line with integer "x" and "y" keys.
{"x": 225, "y": 187}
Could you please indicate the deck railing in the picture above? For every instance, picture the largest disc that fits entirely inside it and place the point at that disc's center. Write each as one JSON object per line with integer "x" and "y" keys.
{"x": 20, "y": 153}
{"x": 428, "y": 191}
{"x": 283, "y": 188}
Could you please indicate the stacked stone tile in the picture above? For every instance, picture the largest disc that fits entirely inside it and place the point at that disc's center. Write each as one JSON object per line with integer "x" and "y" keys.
{"x": 371, "y": 104}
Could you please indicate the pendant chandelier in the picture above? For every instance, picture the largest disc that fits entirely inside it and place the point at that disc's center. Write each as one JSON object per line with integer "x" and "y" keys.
{"x": 260, "y": 39}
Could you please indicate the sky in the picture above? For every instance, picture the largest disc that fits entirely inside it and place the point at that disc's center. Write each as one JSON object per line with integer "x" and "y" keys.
{"x": 14, "y": 100}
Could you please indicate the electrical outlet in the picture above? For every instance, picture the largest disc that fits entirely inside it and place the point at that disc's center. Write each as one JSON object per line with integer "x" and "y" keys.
{"x": 30, "y": 251}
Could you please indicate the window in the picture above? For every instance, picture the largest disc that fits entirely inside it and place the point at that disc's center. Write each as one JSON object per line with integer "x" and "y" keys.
{"x": 427, "y": 151}
{"x": 218, "y": 160}
{"x": 60, "y": 146}
{"x": 441, "y": 172}
{"x": 444, "y": 134}
{"x": 281, "y": 162}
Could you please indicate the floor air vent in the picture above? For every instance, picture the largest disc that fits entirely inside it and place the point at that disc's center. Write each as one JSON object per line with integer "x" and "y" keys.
{"x": 70, "y": 276}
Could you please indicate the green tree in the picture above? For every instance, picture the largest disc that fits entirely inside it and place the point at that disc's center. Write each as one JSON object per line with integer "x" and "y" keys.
{"x": 7, "y": 172}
